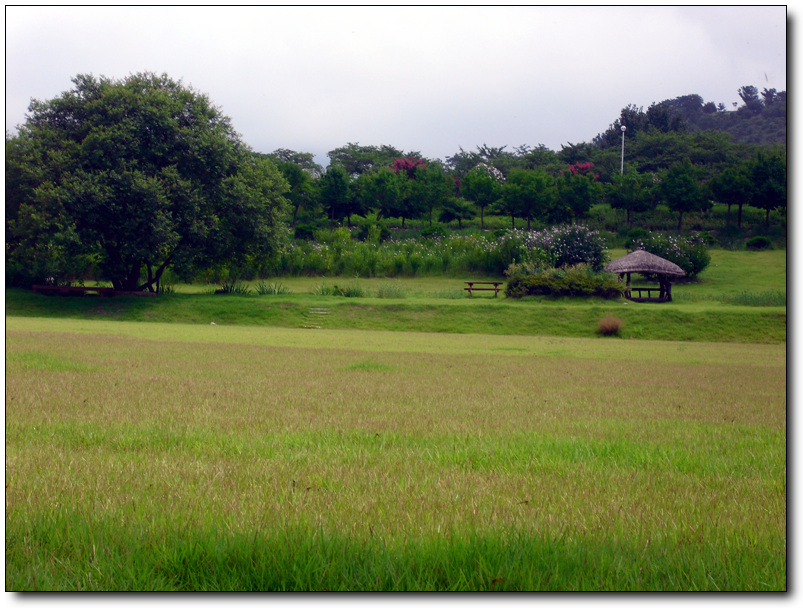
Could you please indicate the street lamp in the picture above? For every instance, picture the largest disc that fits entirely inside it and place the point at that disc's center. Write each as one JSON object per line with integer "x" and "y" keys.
{"x": 624, "y": 128}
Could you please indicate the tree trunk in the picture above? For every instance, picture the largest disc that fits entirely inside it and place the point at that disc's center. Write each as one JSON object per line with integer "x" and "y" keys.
{"x": 739, "y": 217}
{"x": 680, "y": 222}
{"x": 131, "y": 282}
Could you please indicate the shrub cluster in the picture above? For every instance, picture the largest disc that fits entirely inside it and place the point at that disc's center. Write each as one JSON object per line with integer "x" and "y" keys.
{"x": 690, "y": 254}
{"x": 758, "y": 243}
{"x": 579, "y": 280}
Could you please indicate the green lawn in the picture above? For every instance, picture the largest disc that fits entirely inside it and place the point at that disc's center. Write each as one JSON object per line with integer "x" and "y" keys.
{"x": 174, "y": 456}
{"x": 423, "y": 442}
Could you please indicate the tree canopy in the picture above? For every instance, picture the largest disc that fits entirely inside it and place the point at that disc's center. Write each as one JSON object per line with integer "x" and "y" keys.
{"x": 123, "y": 179}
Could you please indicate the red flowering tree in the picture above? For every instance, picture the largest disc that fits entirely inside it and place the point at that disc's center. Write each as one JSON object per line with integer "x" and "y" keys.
{"x": 584, "y": 169}
{"x": 408, "y": 165}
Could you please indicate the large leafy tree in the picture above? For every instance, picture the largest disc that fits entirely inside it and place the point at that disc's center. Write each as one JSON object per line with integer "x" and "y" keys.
{"x": 768, "y": 177}
{"x": 303, "y": 195}
{"x": 576, "y": 190}
{"x": 631, "y": 191}
{"x": 357, "y": 159}
{"x": 335, "y": 193}
{"x": 430, "y": 188}
{"x": 528, "y": 194}
{"x": 483, "y": 186}
{"x": 384, "y": 191}
{"x": 130, "y": 177}
{"x": 732, "y": 187}
{"x": 682, "y": 191}
{"x": 305, "y": 160}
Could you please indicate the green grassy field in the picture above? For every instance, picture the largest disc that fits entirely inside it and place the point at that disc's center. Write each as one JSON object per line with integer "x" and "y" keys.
{"x": 148, "y": 449}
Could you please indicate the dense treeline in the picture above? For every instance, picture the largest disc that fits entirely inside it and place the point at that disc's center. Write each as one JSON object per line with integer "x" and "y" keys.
{"x": 121, "y": 180}
{"x": 682, "y": 154}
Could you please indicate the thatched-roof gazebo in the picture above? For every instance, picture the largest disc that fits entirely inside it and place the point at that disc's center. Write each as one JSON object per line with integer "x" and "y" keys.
{"x": 643, "y": 262}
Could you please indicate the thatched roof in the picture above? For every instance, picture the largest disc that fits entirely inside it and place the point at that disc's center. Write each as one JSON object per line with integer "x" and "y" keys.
{"x": 645, "y": 263}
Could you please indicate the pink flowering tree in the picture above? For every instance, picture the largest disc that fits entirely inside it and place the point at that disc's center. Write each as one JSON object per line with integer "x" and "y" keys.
{"x": 408, "y": 165}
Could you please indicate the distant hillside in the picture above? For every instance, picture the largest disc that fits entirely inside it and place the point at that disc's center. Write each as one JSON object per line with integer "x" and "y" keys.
{"x": 761, "y": 119}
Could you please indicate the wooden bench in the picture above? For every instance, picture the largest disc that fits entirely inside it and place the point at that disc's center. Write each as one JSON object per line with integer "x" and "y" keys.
{"x": 496, "y": 289}
{"x": 663, "y": 296}
{"x": 105, "y": 292}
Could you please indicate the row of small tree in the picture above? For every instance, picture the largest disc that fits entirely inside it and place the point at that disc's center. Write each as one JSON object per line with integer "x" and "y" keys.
{"x": 551, "y": 194}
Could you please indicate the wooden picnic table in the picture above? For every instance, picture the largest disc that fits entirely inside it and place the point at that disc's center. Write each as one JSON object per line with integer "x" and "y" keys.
{"x": 496, "y": 286}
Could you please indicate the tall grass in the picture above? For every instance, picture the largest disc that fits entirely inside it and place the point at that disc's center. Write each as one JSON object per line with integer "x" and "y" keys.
{"x": 762, "y": 298}
{"x": 257, "y": 458}
{"x": 447, "y": 255}
{"x": 271, "y": 289}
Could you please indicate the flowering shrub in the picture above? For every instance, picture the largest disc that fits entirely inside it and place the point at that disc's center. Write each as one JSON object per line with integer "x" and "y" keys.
{"x": 688, "y": 253}
{"x": 570, "y": 245}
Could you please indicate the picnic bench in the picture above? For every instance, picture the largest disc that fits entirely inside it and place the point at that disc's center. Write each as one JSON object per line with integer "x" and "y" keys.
{"x": 69, "y": 290}
{"x": 496, "y": 286}
{"x": 663, "y": 294}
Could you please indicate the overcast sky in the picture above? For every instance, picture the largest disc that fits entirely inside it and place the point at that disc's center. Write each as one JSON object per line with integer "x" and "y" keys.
{"x": 420, "y": 79}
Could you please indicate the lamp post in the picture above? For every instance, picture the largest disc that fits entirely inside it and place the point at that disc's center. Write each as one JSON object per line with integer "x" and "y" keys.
{"x": 624, "y": 128}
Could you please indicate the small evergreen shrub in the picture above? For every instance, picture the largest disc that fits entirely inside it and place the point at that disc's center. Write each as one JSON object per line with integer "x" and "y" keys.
{"x": 575, "y": 281}
{"x": 609, "y": 325}
{"x": 758, "y": 243}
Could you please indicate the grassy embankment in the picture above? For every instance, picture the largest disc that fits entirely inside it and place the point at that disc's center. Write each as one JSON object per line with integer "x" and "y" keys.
{"x": 165, "y": 455}
{"x": 727, "y": 304}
